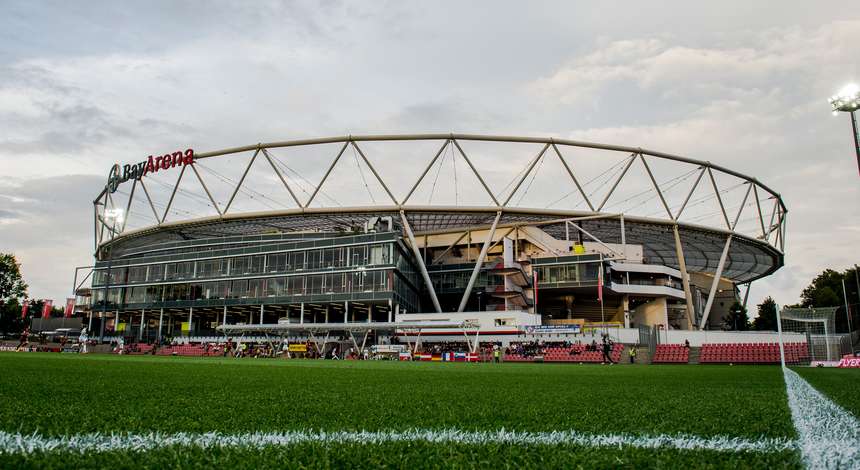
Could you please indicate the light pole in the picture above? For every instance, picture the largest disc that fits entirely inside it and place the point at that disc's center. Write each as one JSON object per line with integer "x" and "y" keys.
{"x": 848, "y": 101}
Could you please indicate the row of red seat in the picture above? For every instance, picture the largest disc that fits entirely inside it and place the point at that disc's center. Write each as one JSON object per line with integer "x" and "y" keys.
{"x": 671, "y": 354}
{"x": 752, "y": 353}
{"x": 563, "y": 354}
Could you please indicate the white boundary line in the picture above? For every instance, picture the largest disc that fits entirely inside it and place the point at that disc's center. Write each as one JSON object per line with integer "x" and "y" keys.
{"x": 16, "y": 443}
{"x": 829, "y": 436}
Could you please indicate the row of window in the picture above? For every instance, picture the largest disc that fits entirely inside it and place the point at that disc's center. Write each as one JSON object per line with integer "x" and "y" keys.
{"x": 362, "y": 281}
{"x": 340, "y": 257}
{"x": 582, "y": 272}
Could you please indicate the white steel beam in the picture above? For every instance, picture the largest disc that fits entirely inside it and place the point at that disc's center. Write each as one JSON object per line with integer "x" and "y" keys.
{"x": 490, "y": 193}
{"x": 373, "y": 170}
{"x": 420, "y": 260}
{"x": 656, "y": 186}
{"x": 717, "y": 275}
{"x": 281, "y": 177}
{"x": 719, "y": 199}
{"x": 612, "y": 189}
{"x": 426, "y": 169}
{"x": 690, "y": 194}
{"x": 479, "y": 262}
{"x": 575, "y": 181}
{"x": 206, "y": 188}
{"x": 241, "y": 180}
{"x": 331, "y": 167}
{"x": 685, "y": 277}
{"x": 526, "y": 174}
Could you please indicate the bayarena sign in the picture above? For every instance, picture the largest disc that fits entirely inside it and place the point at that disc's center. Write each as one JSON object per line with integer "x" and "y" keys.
{"x": 119, "y": 175}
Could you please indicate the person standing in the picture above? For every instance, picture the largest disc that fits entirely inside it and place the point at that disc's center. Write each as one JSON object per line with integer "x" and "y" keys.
{"x": 633, "y": 351}
{"x": 607, "y": 347}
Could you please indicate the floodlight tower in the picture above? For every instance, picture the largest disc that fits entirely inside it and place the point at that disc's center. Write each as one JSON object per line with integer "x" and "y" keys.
{"x": 848, "y": 100}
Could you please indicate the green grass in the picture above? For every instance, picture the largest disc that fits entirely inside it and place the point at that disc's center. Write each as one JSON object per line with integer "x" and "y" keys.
{"x": 66, "y": 394}
{"x": 841, "y": 385}
{"x": 408, "y": 455}
{"x": 61, "y": 394}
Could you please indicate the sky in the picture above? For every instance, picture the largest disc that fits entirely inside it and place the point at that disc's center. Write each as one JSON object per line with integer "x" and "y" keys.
{"x": 741, "y": 84}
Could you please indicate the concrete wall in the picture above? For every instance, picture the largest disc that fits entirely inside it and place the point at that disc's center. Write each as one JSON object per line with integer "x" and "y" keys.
{"x": 651, "y": 313}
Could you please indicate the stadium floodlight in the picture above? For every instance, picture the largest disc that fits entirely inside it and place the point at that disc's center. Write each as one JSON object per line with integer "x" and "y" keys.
{"x": 848, "y": 101}
{"x": 116, "y": 215}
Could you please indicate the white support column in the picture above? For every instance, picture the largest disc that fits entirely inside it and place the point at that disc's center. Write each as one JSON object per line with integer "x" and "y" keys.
{"x": 90, "y": 323}
{"x": 369, "y": 312}
{"x": 623, "y": 238}
{"x": 479, "y": 262}
{"x": 160, "y": 323}
{"x": 716, "y": 283}
{"x": 626, "y": 311}
{"x": 224, "y": 320}
{"x": 326, "y": 312}
{"x": 302, "y": 313}
{"x": 190, "y": 318}
{"x": 140, "y": 332}
{"x": 346, "y": 311}
{"x": 262, "y": 309}
{"x": 428, "y": 283}
{"x": 685, "y": 277}
{"x": 390, "y": 309}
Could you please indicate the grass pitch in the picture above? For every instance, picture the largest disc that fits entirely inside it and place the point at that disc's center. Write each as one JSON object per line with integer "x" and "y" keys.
{"x": 59, "y": 395}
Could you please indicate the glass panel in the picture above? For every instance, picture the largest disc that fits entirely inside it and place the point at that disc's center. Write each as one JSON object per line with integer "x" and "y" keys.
{"x": 156, "y": 272}
{"x": 238, "y": 289}
{"x": 99, "y": 277}
{"x": 276, "y": 263}
{"x": 117, "y": 276}
{"x": 275, "y": 287}
{"x": 136, "y": 274}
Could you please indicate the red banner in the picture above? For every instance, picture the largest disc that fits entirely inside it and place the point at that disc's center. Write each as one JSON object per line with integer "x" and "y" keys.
{"x": 70, "y": 307}
{"x": 25, "y": 308}
{"x": 849, "y": 361}
{"x": 46, "y": 308}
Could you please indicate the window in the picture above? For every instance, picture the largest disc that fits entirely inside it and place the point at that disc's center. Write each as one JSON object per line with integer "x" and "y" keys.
{"x": 246, "y": 265}
{"x": 359, "y": 255}
{"x": 136, "y": 274}
{"x": 295, "y": 285}
{"x": 153, "y": 293}
{"x": 136, "y": 295}
{"x": 212, "y": 268}
{"x": 99, "y": 277}
{"x": 315, "y": 284}
{"x": 297, "y": 260}
{"x": 314, "y": 259}
{"x": 276, "y": 263}
{"x": 378, "y": 255}
{"x": 179, "y": 271}
{"x": 117, "y": 275}
{"x": 239, "y": 289}
{"x": 255, "y": 288}
{"x": 156, "y": 273}
{"x": 275, "y": 287}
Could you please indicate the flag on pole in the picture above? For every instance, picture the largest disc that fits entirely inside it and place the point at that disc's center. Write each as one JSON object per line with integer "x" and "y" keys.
{"x": 25, "y": 308}
{"x": 46, "y": 308}
{"x": 600, "y": 285}
{"x": 70, "y": 307}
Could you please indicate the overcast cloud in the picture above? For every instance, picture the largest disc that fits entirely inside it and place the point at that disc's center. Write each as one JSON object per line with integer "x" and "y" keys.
{"x": 742, "y": 84}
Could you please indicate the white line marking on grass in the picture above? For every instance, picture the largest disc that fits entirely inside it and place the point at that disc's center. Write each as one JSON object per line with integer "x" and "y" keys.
{"x": 829, "y": 435}
{"x": 82, "y": 443}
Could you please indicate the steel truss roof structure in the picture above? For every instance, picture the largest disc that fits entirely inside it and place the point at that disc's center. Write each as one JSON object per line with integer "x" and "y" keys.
{"x": 671, "y": 237}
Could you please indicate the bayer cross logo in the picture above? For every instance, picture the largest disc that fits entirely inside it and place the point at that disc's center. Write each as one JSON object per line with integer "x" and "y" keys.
{"x": 114, "y": 178}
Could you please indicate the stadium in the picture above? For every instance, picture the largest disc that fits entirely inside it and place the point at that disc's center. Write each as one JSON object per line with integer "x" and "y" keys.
{"x": 489, "y": 254}
{"x": 421, "y": 228}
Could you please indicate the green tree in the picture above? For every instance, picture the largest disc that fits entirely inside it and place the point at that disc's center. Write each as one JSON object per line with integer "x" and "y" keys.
{"x": 826, "y": 291}
{"x": 737, "y": 318}
{"x": 12, "y": 286}
{"x": 766, "y": 319}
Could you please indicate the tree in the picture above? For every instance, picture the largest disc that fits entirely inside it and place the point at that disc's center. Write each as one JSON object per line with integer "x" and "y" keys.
{"x": 766, "y": 319}
{"x": 737, "y": 318}
{"x": 826, "y": 291}
{"x": 12, "y": 286}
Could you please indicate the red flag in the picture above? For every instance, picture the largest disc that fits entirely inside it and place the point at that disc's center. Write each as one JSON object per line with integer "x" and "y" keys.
{"x": 46, "y": 308}
{"x": 600, "y": 285}
{"x": 24, "y": 309}
{"x": 70, "y": 307}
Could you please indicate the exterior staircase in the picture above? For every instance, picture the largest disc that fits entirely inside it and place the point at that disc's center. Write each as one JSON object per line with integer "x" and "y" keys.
{"x": 695, "y": 352}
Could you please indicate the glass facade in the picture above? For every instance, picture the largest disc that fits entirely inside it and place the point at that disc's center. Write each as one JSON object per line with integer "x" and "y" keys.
{"x": 291, "y": 275}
